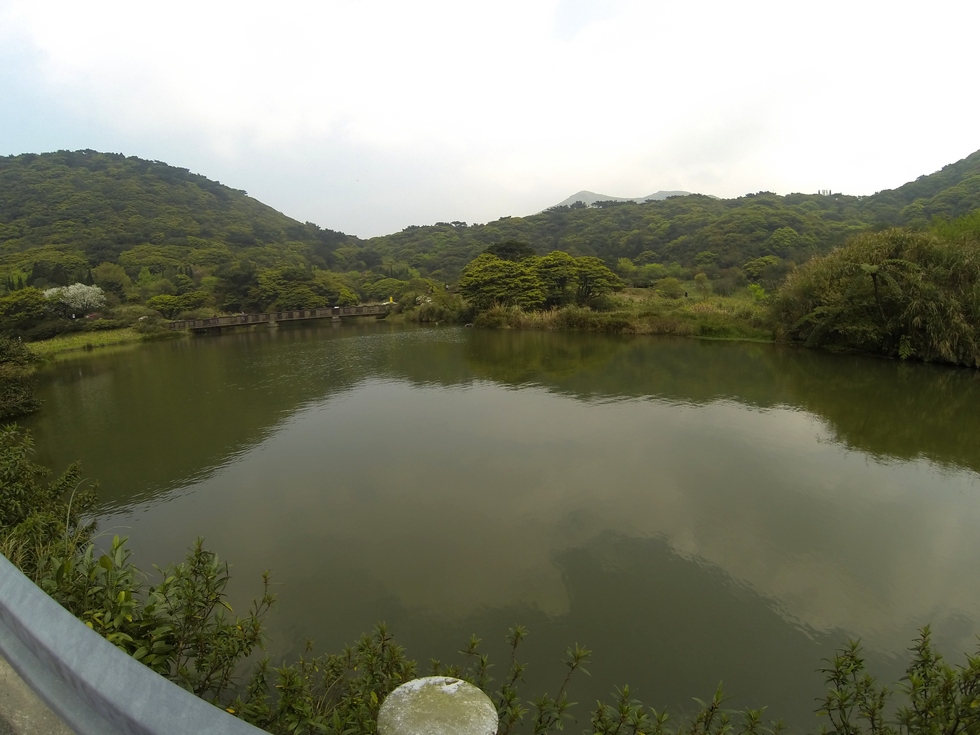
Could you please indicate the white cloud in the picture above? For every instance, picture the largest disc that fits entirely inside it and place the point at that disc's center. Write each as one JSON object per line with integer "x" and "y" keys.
{"x": 517, "y": 103}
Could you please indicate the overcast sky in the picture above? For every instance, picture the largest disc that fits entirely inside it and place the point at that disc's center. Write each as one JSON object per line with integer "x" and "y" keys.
{"x": 368, "y": 116}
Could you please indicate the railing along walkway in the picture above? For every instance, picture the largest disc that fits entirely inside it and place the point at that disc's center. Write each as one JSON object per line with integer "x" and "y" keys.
{"x": 272, "y": 318}
{"x": 97, "y": 689}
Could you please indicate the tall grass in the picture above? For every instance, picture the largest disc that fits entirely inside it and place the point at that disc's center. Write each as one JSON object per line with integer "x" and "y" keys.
{"x": 640, "y": 312}
{"x": 84, "y": 341}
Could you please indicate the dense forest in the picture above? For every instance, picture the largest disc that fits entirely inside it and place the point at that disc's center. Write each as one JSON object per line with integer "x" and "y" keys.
{"x": 154, "y": 241}
{"x": 106, "y": 208}
{"x": 63, "y": 214}
{"x": 695, "y": 230}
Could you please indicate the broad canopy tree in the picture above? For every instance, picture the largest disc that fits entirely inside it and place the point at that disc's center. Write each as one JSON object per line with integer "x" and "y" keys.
{"x": 554, "y": 280}
{"x": 558, "y": 272}
{"x": 488, "y": 280}
{"x": 593, "y": 279}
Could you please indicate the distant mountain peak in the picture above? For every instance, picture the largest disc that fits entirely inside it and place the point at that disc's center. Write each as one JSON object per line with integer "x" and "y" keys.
{"x": 590, "y": 197}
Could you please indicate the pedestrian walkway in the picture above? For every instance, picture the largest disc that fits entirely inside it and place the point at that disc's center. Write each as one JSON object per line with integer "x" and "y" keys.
{"x": 21, "y": 711}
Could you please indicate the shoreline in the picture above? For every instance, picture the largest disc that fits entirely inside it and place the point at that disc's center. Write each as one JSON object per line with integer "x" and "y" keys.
{"x": 51, "y": 349}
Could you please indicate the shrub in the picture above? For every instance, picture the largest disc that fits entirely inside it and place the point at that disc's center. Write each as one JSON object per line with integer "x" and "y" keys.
{"x": 38, "y": 520}
{"x": 896, "y": 293}
{"x": 440, "y": 306}
{"x": 16, "y": 379}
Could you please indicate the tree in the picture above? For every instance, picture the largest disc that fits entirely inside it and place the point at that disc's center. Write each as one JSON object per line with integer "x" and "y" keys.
{"x": 557, "y": 271}
{"x": 112, "y": 278}
{"x": 235, "y": 284}
{"x": 768, "y": 271}
{"x": 650, "y": 272}
{"x": 702, "y": 285}
{"x": 783, "y": 241}
{"x": 77, "y": 298}
{"x": 513, "y": 250}
{"x": 626, "y": 268}
{"x": 166, "y": 304}
{"x": 488, "y": 280}
{"x": 333, "y": 289}
{"x": 23, "y": 309}
{"x": 670, "y": 288}
{"x": 383, "y": 289}
{"x": 705, "y": 258}
{"x": 756, "y": 268}
{"x": 593, "y": 280}
{"x": 293, "y": 287}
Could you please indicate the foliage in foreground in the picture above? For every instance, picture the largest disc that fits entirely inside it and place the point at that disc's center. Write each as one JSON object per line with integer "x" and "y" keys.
{"x": 183, "y": 628}
{"x": 38, "y": 519}
{"x": 16, "y": 381}
{"x": 938, "y": 699}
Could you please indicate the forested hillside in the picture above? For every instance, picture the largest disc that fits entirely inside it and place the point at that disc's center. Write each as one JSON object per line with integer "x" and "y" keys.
{"x": 66, "y": 212}
{"x": 696, "y": 230}
{"x": 148, "y": 233}
{"x": 949, "y": 193}
{"x": 691, "y": 230}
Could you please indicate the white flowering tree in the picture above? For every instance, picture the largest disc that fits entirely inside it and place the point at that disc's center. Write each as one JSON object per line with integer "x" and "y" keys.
{"x": 77, "y": 298}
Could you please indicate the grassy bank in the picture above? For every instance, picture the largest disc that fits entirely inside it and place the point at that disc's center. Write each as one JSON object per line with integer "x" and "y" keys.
{"x": 643, "y": 311}
{"x": 76, "y": 341}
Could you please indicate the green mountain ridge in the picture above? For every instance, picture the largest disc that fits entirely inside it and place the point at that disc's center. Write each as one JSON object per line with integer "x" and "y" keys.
{"x": 64, "y": 213}
{"x": 590, "y": 197}
{"x": 697, "y": 229}
{"x": 950, "y": 192}
{"x": 84, "y": 208}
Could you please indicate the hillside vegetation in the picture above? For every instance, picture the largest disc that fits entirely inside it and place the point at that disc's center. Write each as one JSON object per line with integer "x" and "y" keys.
{"x": 695, "y": 231}
{"x": 63, "y": 213}
{"x": 161, "y": 242}
{"x": 66, "y": 212}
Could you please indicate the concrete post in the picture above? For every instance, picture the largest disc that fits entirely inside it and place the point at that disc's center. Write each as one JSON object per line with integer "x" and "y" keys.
{"x": 437, "y": 705}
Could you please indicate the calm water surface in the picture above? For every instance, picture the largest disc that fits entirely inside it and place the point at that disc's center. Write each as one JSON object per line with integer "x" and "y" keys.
{"x": 694, "y": 512}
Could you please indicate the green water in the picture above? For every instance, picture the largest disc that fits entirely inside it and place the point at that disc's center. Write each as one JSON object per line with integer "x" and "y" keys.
{"x": 694, "y": 512}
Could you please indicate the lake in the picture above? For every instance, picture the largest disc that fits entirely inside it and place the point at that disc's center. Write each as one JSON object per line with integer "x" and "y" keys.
{"x": 692, "y": 511}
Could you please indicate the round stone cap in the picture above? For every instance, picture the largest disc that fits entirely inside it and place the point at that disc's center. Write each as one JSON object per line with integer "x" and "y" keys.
{"x": 437, "y": 705}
